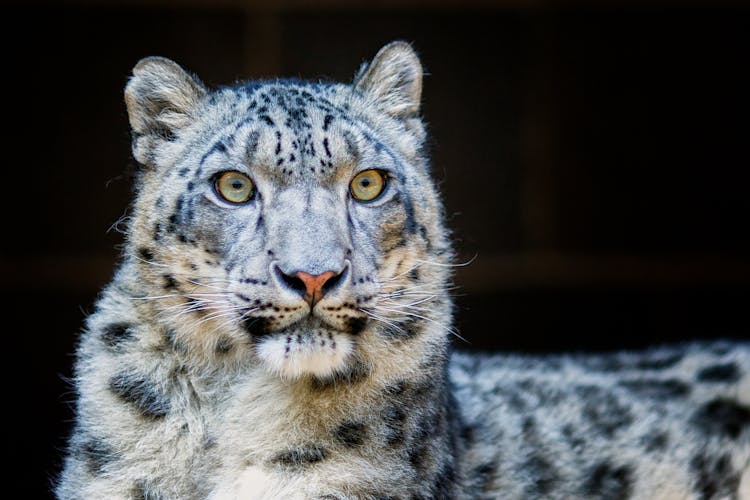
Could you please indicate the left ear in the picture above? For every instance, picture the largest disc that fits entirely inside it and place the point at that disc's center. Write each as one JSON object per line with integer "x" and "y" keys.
{"x": 394, "y": 80}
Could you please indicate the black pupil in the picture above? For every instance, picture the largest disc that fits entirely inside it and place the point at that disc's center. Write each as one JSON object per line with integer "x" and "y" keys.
{"x": 237, "y": 184}
{"x": 365, "y": 182}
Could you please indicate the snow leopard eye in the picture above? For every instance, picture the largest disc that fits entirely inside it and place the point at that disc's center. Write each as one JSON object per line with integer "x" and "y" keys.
{"x": 234, "y": 187}
{"x": 367, "y": 185}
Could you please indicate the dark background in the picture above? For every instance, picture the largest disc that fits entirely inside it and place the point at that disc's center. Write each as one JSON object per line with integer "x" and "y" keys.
{"x": 593, "y": 158}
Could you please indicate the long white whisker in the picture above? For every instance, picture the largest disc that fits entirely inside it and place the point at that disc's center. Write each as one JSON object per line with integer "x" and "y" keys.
{"x": 449, "y": 264}
{"x": 449, "y": 329}
{"x": 383, "y": 320}
{"x": 410, "y": 304}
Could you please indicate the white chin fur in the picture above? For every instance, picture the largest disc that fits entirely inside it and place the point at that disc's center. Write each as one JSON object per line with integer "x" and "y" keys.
{"x": 294, "y": 355}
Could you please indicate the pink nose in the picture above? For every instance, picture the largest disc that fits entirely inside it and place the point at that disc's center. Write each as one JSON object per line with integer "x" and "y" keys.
{"x": 314, "y": 285}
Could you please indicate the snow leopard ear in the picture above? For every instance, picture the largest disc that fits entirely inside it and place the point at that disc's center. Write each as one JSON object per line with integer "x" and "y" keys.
{"x": 161, "y": 98}
{"x": 393, "y": 79}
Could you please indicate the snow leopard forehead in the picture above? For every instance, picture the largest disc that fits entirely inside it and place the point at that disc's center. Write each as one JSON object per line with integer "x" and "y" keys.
{"x": 289, "y": 131}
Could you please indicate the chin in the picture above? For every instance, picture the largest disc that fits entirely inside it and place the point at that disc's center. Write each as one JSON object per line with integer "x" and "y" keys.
{"x": 295, "y": 353}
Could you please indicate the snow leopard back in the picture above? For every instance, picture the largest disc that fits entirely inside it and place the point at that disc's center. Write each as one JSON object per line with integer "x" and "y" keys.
{"x": 672, "y": 422}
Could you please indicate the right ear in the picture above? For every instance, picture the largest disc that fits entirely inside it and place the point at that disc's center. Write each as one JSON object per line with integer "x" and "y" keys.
{"x": 161, "y": 98}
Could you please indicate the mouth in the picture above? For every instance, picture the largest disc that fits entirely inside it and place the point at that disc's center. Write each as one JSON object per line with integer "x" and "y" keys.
{"x": 262, "y": 326}
{"x": 307, "y": 347}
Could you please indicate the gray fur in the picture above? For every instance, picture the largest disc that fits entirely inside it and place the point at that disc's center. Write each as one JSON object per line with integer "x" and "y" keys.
{"x": 204, "y": 373}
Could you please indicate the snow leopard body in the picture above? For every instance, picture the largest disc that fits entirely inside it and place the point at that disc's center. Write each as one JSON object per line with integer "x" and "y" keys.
{"x": 296, "y": 343}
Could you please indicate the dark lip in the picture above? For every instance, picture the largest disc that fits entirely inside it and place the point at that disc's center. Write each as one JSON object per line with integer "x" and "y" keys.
{"x": 261, "y": 326}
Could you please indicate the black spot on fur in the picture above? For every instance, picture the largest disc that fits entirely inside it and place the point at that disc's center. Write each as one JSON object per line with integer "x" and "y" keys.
{"x": 445, "y": 481}
{"x": 257, "y": 327}
{"x": 573, "y": 437}
{"x": 267, "y": 119}
{"x": 722, "y": 417}
{"x": 607, "y": 482}
{"x": 299, "y": 456}
{"x": 658, "y": 361}
{"x": 418, "y": 453}
{"x": 397, "y": 388}
{"x": 728, "y": 372}
{"x": 169, "y": 282}
{"x": 224, "y": 345}
{"x": 351, "y": 434}
{"x": 604, "y": 410}
{"x": 420, "y": 442}
{"x": 716, "y": 479}
{"x": 394, "y": 419}
{"x": 116, "y": 334}
{"x": 528, "y": 427}
{"x": 542, "y": 475}
{"x": 141, "y": 393}
{"x": 326, "y": 123}
{"x": 403, "y": 329}
{"x": 467, "y": 434}
{"x": 97, "y": 455}
{"x": 482, "y": 476}
{"x": 658, "y": 389}
{"x": 656, "y": 442}
{"x": 511, "y": 397}
{"x": 425, "y": 236}
{"x": 356, "y": 325}
{"x": 146, "y": 254}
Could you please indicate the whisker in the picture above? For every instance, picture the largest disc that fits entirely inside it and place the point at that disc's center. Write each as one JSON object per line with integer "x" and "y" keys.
{"x": 450, "y": 264}
{"x": 449, "y": 329}
{"x": 383, "y": 320}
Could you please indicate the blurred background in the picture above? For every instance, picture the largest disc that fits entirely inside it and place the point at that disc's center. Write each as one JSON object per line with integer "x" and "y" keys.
{"x": 593, "y": 157}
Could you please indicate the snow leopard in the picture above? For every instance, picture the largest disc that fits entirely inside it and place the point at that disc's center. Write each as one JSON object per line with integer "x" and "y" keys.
{"x": 279, "y": 327}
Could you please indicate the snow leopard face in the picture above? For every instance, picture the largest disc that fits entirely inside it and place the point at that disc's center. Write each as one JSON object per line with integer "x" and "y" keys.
{"x": 295, "y": 221}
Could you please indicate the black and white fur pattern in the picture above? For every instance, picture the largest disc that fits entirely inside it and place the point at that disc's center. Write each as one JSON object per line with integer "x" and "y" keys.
{"x": 204, "y": 374}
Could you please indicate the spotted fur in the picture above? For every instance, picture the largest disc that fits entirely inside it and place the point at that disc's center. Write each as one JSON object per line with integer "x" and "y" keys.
{"x": 207, "y": 371}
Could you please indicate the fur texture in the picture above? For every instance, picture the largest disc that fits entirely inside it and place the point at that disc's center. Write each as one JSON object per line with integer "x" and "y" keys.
{"x": 208, "y": 371}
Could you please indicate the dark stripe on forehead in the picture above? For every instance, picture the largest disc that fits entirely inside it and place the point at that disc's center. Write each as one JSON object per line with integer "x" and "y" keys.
{"x": 350, "y": 142}
{"x": 218, "y": 147}
{"x": 251, "y": 145}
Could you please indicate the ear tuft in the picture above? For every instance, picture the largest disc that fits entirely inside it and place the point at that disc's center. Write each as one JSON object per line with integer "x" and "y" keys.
{"x": 394, "y": 79}
{"x": 160, "y": 97}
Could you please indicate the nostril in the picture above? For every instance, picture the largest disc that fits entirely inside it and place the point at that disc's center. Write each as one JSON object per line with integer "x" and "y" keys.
{"x": 292, "y": 282}
{"x": 331, "y": 283}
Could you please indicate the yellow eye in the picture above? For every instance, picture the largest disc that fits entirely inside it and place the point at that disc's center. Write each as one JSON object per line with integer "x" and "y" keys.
{"x": 367, "y": 185}
{"x": 234, "y": 187}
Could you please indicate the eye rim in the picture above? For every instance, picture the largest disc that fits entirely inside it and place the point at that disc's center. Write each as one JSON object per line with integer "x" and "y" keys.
{"x": 385, "y": 180}
{"x": 216, "y": 179}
